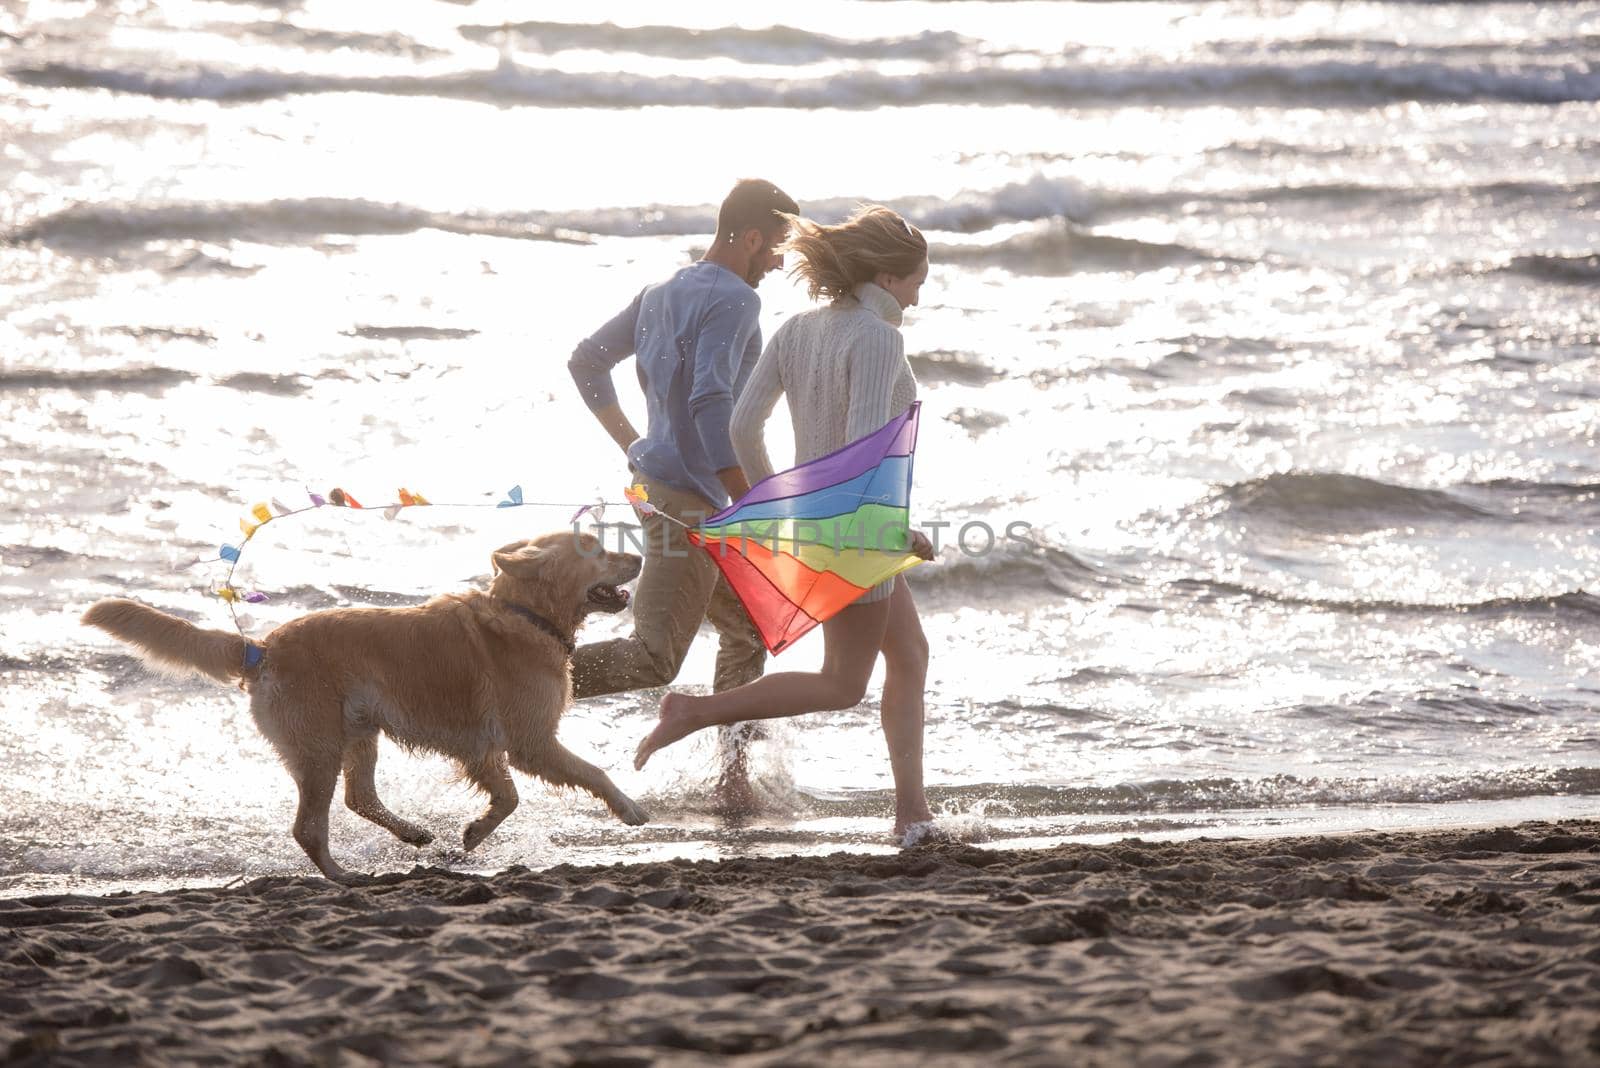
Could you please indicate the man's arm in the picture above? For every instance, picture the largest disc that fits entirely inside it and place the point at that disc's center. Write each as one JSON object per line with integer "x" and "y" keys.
{"x": 719, "y": 350}
{"x": 616, "y": 423}
{"x": 591, "y": 366}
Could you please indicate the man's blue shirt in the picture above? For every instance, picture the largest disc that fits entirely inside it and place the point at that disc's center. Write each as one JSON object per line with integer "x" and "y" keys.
{"x": 696, "y": 338}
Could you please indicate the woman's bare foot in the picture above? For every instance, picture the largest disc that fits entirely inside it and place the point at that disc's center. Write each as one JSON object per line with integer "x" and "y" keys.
{"x": 905, "y": 820}
{"x": 923, "y": 834}
{"x": 676, "y": 722}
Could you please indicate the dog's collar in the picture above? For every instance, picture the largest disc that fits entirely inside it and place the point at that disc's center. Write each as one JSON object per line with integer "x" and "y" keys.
{"x": 543, "y": 624}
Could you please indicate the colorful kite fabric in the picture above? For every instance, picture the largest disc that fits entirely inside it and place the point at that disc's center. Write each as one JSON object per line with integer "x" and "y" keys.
{"x": 805, "y": 542}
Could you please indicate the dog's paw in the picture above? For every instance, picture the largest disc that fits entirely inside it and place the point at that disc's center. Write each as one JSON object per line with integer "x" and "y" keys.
{"x": 416, "y": 836}
{"x": 633, "y": 815}
{"x": 476, "y": 832}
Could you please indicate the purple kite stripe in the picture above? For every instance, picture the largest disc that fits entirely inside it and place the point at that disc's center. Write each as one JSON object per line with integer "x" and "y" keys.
{"x": 897, "y": 437}
{"x": 889, "y": 483}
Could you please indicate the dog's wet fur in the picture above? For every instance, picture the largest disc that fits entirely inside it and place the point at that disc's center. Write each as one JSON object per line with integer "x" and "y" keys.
{"x": 469, "y": 675}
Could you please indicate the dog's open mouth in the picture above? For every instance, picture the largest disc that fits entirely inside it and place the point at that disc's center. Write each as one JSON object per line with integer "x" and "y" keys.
{"x": 604, "y": 598}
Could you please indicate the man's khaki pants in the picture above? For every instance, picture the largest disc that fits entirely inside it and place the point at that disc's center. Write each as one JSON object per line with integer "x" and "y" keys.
{"x": 679, "y": 587}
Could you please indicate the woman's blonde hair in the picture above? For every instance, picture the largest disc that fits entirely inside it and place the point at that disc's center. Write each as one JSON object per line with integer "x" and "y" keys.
{"x": 835, "y": 259}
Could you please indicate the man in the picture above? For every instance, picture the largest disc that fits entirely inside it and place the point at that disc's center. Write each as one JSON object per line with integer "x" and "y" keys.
{"x": 695, "y": 338}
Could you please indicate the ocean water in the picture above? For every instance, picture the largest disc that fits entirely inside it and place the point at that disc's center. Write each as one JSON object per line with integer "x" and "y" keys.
{"x": 1278, "y": 324}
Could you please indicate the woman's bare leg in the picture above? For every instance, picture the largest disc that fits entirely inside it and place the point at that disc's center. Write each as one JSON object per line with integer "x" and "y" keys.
{"x": 852, "y": 640}
{"x": 905, "y": 655}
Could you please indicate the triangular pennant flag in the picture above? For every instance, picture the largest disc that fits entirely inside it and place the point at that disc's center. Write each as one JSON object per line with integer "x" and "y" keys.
{"x": 639, "y": 497}
{"x": 596, "y": 511}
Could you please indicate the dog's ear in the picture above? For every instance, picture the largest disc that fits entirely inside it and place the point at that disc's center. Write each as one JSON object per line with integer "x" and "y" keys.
{"x": 521, "y": 560}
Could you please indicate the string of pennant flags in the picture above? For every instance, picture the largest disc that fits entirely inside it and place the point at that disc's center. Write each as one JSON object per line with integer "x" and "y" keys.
{"x": 263, "y": 512}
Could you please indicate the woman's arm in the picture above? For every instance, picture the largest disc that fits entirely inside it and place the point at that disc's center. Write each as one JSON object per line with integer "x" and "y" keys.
{"x": 755, "y": 404}
{"x": 875, "y": 363}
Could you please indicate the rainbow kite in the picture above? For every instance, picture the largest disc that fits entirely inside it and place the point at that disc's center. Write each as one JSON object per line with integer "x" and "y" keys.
{"x": 805, "y": 542}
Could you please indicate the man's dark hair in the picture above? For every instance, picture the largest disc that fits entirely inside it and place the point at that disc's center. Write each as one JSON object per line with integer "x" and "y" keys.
{"x": 754, "y": 204}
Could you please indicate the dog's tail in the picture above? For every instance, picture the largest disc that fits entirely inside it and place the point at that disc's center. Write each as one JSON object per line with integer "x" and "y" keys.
{"x": 170, "y": 643}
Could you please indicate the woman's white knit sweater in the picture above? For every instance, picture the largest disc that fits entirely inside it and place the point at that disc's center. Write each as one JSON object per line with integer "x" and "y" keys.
{"x": 843, "y": 369}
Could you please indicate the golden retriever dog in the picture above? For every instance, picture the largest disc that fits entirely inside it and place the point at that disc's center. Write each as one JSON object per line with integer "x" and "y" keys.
{"x": 481, "y": 677}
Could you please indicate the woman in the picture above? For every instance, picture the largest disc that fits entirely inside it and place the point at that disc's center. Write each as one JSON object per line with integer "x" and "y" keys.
{"x": 843, "y": 368}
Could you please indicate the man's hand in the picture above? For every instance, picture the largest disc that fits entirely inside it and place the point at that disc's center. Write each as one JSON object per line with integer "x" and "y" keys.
{"x": 734, "y": 482}
{"x": 921, "y": 546}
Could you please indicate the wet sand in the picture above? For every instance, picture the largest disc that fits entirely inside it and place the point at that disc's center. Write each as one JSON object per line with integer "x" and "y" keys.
{"x": 1459, "y": 947}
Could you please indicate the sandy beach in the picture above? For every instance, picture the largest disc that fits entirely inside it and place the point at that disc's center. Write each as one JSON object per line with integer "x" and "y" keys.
{"x": 1271, "y": 325}
{"x": 1461, "y": 947}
